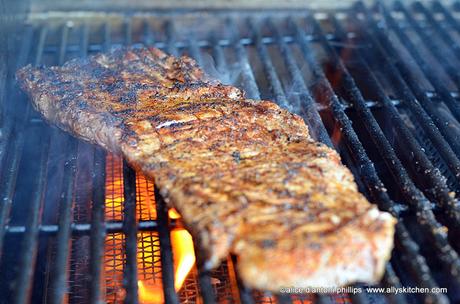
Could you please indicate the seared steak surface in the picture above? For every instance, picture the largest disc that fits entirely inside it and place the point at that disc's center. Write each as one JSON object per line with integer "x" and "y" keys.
{"x": 245, "y": 175}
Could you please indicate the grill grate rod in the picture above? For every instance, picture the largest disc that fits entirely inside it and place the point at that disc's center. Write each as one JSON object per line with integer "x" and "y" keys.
{"x": 166, "y": 255}
{"x": 163, "y": 222}
{"x": 404, "y": 71}
{"x": 58, "y": 277}
{"x": 414, "y": 196}
{"x": 269, "y": 69}
{"x": 29, "y": 242}
{"x": 249, "y": 80}
{"x": 422, "y": 163}
{"x": 429, "y": 72}
{"x": 129, "y": 211}
{"x": 98, "y": 225}
{"x": 97, "y": 228}
{"x": 369, "y": 175}
{"x": 409, "y": 252}
{"x": 85, "y": 228}
{"x": 27, "y": 259}
{"x": 222, "y": 66}
{"x": 13, "y": 157}
{"x": 306, "y": 100}
{"x": 388, "y": 154}
{"x": 292, "y": 67}
{"x": 204, "y": 278}
{"x": 390, "y": 279}
{"x": 452, "y": 23}
{"x": 383, "y": 52}
{"x": 440, "y": 52}
{"x": 129, "y": 229}
{"x": 414, "y": 84}
{"x": 244, "y": 292}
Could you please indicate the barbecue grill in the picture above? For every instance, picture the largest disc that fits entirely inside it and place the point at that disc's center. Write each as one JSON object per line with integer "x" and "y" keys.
{"x": 379, "y": 83}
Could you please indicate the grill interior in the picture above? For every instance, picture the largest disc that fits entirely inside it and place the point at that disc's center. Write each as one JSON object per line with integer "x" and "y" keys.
{"x": 379, "y": 84}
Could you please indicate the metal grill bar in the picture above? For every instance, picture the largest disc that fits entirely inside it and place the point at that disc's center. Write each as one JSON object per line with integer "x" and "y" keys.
{"x": 269, "y": 69}
{"x": 244, "y": 292}
{"x": 167, "y": 269}
{"x": 417, "y": 90}
{"x": 129, "y": 211}
{"x": 252, "y": 91}
{"x": 59, "y": 272}
{"x": 204, "y": 278}
{"x": 441, "y": 53}
{"x": 414, "y": 196}
{"x": 221, "y": 65}
{"x": 390, "y": 279}
{"x": 305, "y": 99}
{"x": 129, "y": 228}
{"x": 322, "y": 86}
{"x": 170, "y": 45}
{"x": 422, "y": 163}
{"x": 30, "y": 240}
{"x": 417, "y": 265}
{"x": 430, "y": 73}
{"x": 352, "y": 92}
{"x": 97, "y": 228}
{"x": 85, "y": 228}
{"x": 451, "y": 22}
{"x": 13, "y": 156}
{"x": 58, "y": 281}
{"x": 95, "y": 47}
{"x": 203, "y": 275}
{"x": 406, "y": 73}
{"x": 383, "y": 51}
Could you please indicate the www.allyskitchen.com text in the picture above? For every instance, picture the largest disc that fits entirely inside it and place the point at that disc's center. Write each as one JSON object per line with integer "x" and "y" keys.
{"x": 356, "y": 290}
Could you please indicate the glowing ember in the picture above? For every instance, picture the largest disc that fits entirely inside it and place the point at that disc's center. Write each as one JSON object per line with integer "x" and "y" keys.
{"x": 149, "y": 283}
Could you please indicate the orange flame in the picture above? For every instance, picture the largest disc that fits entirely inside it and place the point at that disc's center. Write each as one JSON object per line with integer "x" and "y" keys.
{"x": 184, "y": 260}
{"x": 150, "y": 288}
{"x": 184, "y": 255}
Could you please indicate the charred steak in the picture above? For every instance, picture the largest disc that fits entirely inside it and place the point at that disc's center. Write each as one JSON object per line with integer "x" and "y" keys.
{"x": 245, "y": 175}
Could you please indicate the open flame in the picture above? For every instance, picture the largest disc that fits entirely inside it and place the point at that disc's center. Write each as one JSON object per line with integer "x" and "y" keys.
{"x": 184, "y": 260}
{"x": 149, "y": 283}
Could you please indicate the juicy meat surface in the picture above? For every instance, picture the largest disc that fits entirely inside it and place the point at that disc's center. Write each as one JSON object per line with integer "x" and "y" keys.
{"x": 245, "y": 175}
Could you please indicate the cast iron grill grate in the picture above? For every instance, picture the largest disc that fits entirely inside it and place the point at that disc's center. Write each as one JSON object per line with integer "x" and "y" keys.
{"x": 379, "y": 84}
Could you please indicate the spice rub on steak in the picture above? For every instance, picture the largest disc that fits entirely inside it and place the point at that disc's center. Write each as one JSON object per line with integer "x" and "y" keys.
{"x": 245, "y": 175}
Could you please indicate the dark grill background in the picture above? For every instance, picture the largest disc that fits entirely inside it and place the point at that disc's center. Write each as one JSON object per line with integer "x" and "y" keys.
{"x": 378, "y": 84}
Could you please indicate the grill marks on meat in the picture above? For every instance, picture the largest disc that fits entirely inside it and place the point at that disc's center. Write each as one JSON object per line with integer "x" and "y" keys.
{"x": 245, "y": 174}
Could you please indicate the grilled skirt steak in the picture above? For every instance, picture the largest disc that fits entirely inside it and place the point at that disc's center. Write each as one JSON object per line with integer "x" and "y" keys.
{"x": 245, "y": 175}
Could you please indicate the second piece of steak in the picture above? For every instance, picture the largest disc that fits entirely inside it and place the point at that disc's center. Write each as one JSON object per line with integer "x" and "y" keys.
{"x": 244, "y": 174}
